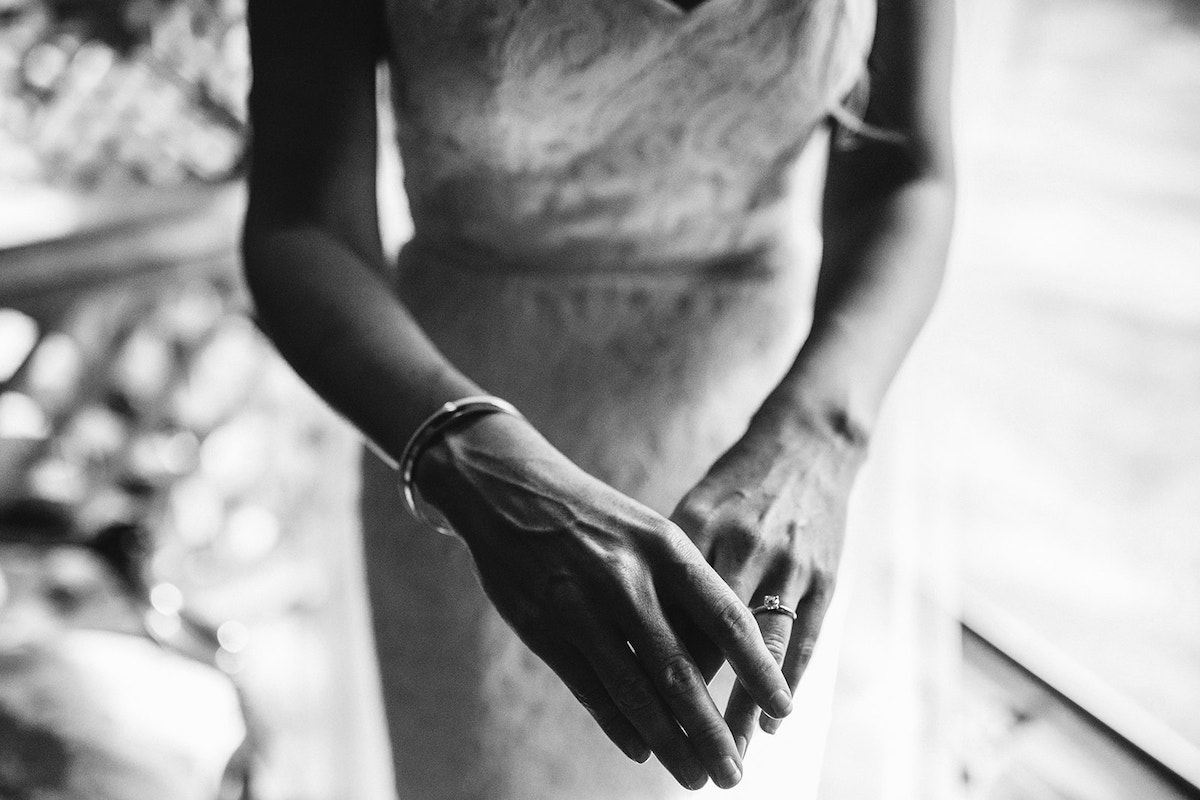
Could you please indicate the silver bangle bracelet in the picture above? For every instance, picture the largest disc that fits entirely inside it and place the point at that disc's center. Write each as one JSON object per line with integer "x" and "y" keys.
{"x": 427, "y": 433}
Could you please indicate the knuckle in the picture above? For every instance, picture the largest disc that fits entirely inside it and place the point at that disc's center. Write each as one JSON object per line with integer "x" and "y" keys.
{"x": 794, "y": 571}
{"x": 695, "y": 511}
{"x": 791, "y": 562}
{"x": 823, "y": 584}
{"x": 806, "y": 648}
{"x": 742, "y": 539}
{"x": 697, "y": 572}
{"x": 676, "y": 676}
{"x": 672, "y": 538}
{"x": 681, "y": 560}
{"x": 734, "y": 617}
{"x": 633, "y": 694}
{"x": 627, "y": 572}
{"x": 711, "y": 731}
{"x": 634, "y": 594}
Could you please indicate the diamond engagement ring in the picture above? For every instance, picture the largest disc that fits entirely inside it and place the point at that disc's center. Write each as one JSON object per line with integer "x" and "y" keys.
{"x": 771, "y": 603}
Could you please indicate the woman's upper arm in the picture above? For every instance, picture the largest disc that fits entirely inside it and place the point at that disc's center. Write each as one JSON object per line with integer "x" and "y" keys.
{"x": 909, "y": 98}
{"x": 312, "y": 118}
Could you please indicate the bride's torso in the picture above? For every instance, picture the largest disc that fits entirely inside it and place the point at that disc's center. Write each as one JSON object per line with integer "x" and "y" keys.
{"x": 613, "y": 226}
{"x": 612, "y": 232}
{"x": 615, "y": 135}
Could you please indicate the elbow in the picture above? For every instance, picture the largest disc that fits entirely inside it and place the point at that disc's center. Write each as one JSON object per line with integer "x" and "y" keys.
{"x": 914, "y": 162}
{"x": 260, "y": 257}
{"x": 876, "y": 174}
{"x": 252, "y": 257}
{"x": 254, "y": 231}
{"x": 264, "y": 248}
{"x": 937, "y": 171}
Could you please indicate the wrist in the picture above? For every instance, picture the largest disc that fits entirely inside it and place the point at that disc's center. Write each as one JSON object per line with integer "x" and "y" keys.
{"x": 440, "y": 473}
{"x": 794, "y": 416}
{"x": 436, "y": 428}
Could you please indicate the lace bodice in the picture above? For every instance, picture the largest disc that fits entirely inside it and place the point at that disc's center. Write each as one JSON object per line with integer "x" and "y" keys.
{"x": 613, "y": 134}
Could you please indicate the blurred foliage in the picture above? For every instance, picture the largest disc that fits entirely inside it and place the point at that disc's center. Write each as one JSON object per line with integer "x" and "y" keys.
{"x": 99, "y": 94}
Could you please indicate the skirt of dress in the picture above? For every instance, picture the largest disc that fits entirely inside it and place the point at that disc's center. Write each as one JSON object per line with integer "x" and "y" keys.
{"x": 643, "y": 380}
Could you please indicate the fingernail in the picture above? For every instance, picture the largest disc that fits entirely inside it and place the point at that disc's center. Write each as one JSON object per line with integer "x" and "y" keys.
{"x": 728, "y": 773}
{"x": 696, "y": 781}
{"x": 741, "y": 742}
{"x": 640, "y": 754}
{"x": 769, "y": 725}
{"x": 781, "y": 704}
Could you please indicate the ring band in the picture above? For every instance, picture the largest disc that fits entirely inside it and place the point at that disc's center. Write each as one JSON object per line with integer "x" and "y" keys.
{"x": 771, "y": 603}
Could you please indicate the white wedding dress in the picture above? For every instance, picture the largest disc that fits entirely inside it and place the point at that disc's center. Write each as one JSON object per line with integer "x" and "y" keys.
{"x": 615, "y": 228}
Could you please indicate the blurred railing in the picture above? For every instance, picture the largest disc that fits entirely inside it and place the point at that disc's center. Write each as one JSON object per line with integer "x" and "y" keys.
{"x": 165, "y": 476}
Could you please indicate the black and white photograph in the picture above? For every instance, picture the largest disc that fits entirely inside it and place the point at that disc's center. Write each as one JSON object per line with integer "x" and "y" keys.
{"x": 599, "y": 399}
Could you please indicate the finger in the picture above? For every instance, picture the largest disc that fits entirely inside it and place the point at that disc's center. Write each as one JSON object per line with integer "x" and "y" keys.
{"x": 742, "y": 712}
{"x": 693, "y": 515}
{"x": 570, "y": 665}
{"x": 740, "y": 715}
{"x": 681, "y": 684}
{"x": 740, "y": 574}
{"x": 702, "y": 649}
{"x": 726, "y": 620}
{"x": 776, "y": 629}
{"x": 806, "y": 628}
{"x": 741, "y": 577}
{"x": 635, "y": 695}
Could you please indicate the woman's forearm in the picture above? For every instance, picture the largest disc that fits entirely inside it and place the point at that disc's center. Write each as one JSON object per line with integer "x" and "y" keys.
{"x": 882, "y": 268}
{"x": 888, "y": 211}
{"x": 339, "y": 325}
{"x": 311, "y": 249}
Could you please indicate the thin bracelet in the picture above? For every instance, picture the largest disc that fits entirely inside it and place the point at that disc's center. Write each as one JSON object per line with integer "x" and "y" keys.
{"x": 425, "y": 435}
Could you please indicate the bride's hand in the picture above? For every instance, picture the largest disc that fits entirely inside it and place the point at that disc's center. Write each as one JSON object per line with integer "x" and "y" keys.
{"x": 587, "y": 578}
{"x": 770, "y": 516}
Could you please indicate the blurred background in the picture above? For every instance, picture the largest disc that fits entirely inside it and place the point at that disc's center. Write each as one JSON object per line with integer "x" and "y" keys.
{"x": 180, "y": 608}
